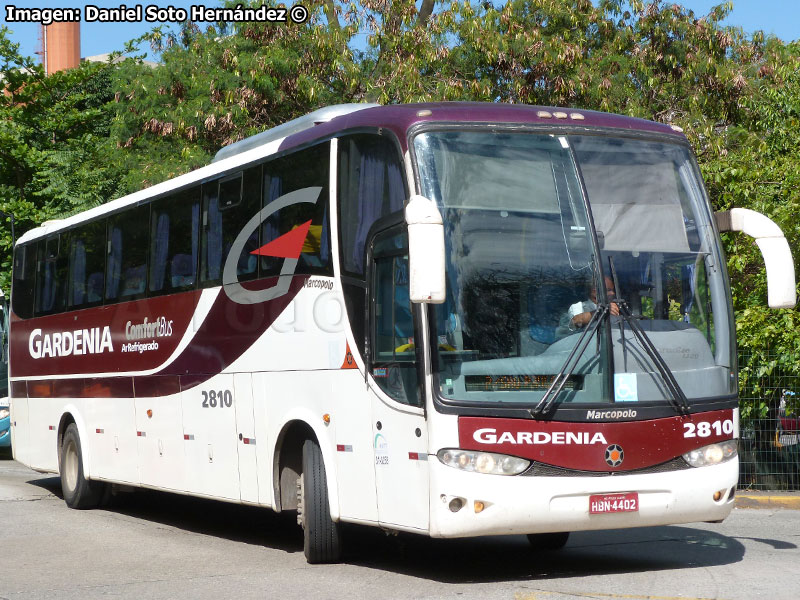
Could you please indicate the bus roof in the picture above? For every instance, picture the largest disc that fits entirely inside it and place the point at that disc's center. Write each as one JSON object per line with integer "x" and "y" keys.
{"x": 398, "y": 118}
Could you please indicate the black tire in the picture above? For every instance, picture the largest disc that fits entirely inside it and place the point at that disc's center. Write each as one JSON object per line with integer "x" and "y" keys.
{"x": 78, "y": 491}
{"x": 321, "y": 538}
{"x": 548, "y": 541}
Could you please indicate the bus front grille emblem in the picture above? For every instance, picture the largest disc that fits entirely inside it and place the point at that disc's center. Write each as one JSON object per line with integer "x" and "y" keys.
{"x": 614, "y": 455}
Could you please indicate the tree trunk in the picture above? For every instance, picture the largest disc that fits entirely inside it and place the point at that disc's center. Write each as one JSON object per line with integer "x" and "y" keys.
{"x": 425, "y": 11}
{"x": 330, "y": 13}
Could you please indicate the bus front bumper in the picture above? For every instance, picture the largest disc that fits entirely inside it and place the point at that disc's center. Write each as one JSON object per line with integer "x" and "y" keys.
{"x": 470, "y": 504}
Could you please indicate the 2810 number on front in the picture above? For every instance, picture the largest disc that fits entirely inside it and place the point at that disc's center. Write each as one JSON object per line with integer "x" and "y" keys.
{"x": 214, "y": 398}
{"x": 704, "y": 429}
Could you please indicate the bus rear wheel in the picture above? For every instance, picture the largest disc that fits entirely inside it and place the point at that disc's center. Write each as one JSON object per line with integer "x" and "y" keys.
{"x": 321, "y": 538}
{"x": 78, "y": 491}
{"x": 548, "y": 541}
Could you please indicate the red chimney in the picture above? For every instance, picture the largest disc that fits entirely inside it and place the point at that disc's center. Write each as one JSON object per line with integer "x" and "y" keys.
{"x": 61, "y": 47}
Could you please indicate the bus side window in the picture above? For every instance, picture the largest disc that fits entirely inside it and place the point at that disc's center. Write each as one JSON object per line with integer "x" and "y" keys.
{"x": 394, "y": 352}
{"x": 128, "y": 237}
{"x": 228, "y": 204}
{"x": 299, "y": 170}
{"x": 174, "y": 242}
{"x": 22, "y": 296}
{"x": 371, "y": 186}
{"x": 87, "y": 260}
{"x": 51, "y": 277}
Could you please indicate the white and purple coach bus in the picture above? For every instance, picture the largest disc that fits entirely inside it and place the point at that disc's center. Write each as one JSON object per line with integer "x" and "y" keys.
{"x": 447, "y": 319}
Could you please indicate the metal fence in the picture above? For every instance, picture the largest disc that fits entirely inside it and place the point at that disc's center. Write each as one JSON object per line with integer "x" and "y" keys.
{"x": 769, "y": 449}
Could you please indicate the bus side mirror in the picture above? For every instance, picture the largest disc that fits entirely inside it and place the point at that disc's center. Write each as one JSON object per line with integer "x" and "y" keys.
{"x": 781, "y": 292}
{"x": 425, "y": 251}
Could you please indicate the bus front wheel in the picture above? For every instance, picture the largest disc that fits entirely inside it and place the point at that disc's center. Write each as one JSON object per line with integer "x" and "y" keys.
{"x": 548, "y": 541}
{"x": 78, "y": 491}
{"x": 321, "y": 539}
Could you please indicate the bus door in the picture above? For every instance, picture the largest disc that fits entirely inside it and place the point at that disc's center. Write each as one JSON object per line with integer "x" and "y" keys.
{"x": 245, "y": 427}
{"x": 399, "y": 435}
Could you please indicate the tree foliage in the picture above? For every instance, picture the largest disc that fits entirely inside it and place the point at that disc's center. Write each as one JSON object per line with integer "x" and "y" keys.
{"x": 75, "y": 139}
{"x": 54, "y": 136}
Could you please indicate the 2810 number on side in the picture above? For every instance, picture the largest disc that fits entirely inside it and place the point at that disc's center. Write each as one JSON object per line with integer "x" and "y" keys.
{"x": 214, "y": 398}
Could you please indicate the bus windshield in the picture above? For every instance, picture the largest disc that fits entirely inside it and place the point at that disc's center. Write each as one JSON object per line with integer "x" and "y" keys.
{"x": 524, "y": 279}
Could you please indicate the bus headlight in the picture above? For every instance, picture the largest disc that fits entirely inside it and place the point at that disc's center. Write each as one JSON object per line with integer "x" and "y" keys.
{"x": 4, "y": 413}
{"x": 482, "y": 462}
{"x": 712, "y": 454}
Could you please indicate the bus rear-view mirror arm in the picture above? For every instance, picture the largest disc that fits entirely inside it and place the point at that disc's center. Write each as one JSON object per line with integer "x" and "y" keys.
{"x": 781, "y": 292}
{"x": 425, "y": 251}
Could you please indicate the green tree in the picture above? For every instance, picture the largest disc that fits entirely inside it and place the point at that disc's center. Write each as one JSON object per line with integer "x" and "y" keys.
{"x": 53, "y": 143}
{"x": 210, "y": 90}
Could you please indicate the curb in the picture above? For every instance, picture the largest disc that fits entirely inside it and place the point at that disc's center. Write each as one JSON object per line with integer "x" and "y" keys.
{"x": 767, "y": 500}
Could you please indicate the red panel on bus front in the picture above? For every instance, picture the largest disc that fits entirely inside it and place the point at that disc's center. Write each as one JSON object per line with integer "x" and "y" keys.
{"x": 619, "y": 446}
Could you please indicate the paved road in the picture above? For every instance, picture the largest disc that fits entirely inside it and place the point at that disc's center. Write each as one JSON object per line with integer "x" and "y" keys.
{"x": 152, "y": 545}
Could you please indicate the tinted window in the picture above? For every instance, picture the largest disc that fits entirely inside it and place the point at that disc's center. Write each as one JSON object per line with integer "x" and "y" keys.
{"x": 225, "y": 213}
{"x": 126, "y": 266}
{"x": 394, "y": 352}
{"x": 87, "y": 260}
{"x": 174, "y": 242}
{"x": 370, "y": 187}
{"x": 299, "y": 171}
{"x": 22, "y": 292}
{"x": 51, "y": 277}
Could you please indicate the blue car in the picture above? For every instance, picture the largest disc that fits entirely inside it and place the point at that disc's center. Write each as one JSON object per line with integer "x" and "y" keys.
{"x": 5, "y": 426}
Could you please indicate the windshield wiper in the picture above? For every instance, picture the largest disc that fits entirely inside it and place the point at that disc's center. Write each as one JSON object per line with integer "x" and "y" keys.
{"x": 569, "y": 365}
{"x": 677, "y": 397}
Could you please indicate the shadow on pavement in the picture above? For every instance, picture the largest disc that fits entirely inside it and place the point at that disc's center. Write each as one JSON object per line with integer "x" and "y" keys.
{"x": 471, "y": 560}
{"x": 510, "y": 558}
{"x": 246, "y": 524}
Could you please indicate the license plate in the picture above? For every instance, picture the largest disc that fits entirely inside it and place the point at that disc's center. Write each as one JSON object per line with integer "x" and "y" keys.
{"x": 613, "y": 503}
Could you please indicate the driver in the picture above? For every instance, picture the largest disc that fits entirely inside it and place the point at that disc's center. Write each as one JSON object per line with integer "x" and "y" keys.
{"x": 579, "y": 314}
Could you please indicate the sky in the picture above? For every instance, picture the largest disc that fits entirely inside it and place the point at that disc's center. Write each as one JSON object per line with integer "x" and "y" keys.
{"x": 779, "y": 17}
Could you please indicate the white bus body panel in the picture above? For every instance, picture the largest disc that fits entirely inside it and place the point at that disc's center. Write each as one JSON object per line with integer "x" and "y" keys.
{"x": 111, "y": 439}
{"x": 20, "y": 431}
{"x": 209, "y": 440}
{"x": 162, "y": 462}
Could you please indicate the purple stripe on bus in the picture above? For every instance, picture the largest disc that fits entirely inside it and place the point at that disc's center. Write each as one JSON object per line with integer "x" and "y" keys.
{"x": 68, "y": 388}
{"x": 108, "y": 387}
{"x": 156, "y": 385}
{"x": 40, "y": 389}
